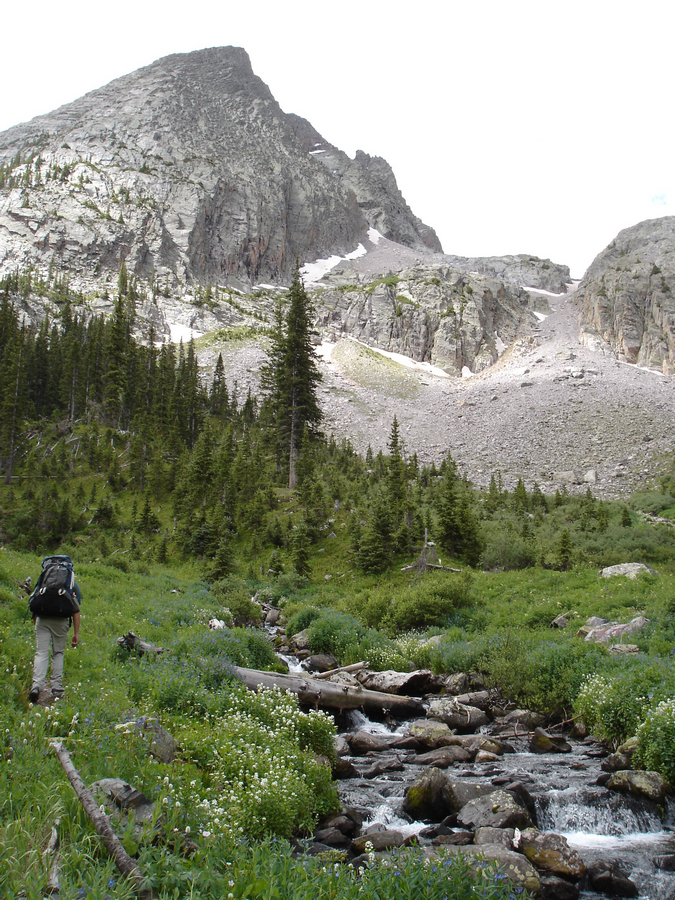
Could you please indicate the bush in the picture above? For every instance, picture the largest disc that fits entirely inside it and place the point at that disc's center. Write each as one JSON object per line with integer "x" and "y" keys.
{"x": 434, "y": 601}
{"x": 334, "y": 632}
{"x": 263, "y": 778}
{"x": 613, "y": 705}
{"x": 302, "y": 619}
{"x": 656, "y": 741}
{"x": 232, "y": 593}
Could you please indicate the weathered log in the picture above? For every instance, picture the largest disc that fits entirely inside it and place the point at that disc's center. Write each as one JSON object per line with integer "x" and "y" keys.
{"x": 51, "y": 860}
{"x": 416, "y": 565}
{"x": 355, "y": 667}
{"x": 101, "y": 823}
{"x": 326, "y": 694}
{"x": 131, "y": 641}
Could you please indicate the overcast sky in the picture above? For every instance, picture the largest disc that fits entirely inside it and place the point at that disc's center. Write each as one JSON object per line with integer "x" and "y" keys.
{"x": 512, "y": 127}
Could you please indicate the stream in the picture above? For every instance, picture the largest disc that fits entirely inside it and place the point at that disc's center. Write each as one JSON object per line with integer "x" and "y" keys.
{"x": 602, "y": 825}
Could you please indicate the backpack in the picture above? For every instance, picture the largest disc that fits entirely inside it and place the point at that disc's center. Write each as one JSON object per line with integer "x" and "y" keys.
{"x": 54, "y": 595}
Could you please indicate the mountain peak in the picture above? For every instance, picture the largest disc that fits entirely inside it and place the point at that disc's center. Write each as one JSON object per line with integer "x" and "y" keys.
{"x": 190, "y": 169}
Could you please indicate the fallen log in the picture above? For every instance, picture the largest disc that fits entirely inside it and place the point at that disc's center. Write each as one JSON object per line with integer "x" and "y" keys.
{"x": 101, "y": 823}
{"x": 326, "y": 694}
{"x": 131, "y": 641}
{"x": 355, "y": 667}
{"x": 51, "y": 861}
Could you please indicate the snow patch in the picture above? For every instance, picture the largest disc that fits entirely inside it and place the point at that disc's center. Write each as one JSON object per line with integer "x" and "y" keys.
{"x": 539, "y": 315}
{"x": 325, "y": 351}
{"x": 183, "y": 333}
{"x": 534, "y": 290}
{"x": 374, "y": 236}
{"x": 466, "y": 372}
{"x": 405, "y": 360}
{"x": 499, "y": 344}
{"x": 313, "y": 272}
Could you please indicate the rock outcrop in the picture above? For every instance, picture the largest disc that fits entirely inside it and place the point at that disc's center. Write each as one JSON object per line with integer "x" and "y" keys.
{"x": 626, "y": 296}
{"x": 188, "y": 169}
{"x": 431, "y": 313}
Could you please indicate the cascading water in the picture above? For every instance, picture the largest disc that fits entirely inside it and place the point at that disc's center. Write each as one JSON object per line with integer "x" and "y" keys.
{"x": 595, "y": 811}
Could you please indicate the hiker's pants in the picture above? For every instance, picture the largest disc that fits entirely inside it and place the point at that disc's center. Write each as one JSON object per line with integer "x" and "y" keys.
{"x": 50, "y": 633}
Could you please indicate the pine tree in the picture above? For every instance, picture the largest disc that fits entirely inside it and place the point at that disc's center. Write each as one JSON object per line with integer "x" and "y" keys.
{"x": 291, "y": 376}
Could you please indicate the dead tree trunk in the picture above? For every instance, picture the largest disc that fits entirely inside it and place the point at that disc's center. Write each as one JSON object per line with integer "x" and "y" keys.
{"x": 101, "y": 823}
{"x": 327, "y": 695}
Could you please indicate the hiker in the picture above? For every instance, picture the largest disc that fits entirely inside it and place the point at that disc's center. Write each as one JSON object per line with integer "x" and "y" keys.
{"x": 54, "y": 604}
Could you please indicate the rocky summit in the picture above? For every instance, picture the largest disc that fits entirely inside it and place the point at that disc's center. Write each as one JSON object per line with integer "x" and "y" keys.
{"x": 189, "y": 169}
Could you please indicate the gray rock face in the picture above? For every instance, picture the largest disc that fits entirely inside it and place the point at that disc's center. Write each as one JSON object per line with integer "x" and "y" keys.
{"x": 431, "y": 313}
{"x": 529, "y": 271}
{"x": 625, "y": 297}
{"x": 372, "y": 181}
{"x": 190, "y": 169}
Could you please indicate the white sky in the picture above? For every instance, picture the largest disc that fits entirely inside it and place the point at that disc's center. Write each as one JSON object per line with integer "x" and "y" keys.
{"x": 512, "y": 126}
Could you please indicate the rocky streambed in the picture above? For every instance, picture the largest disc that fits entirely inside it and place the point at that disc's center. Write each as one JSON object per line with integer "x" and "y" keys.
{"x": 562, "y": 816}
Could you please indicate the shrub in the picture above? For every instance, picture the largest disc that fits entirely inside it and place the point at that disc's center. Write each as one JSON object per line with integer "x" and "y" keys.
{"x": 613, "y": 705}
{"x": 433, "y": 601}
{"x": 656, "y": 741}
{"x": 233, "y": 594}
{"x": 334, "y": 632}
{"x": 302, "y": 619}
{"x": 261, "y": 778}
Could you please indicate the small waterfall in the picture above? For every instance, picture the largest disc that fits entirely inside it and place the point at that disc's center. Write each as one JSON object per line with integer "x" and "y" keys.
{"x": 385, "y": 815}
{"x": 357, "y": 721}
{"x": 294, "y": 665}
{"x": 596, "y": 812}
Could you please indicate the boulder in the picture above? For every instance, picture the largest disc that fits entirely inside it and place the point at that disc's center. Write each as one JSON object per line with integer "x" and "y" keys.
{"x": 300, "y": 641}
{"x": 629, "y": 570}
{"x": 425, "y": 798}
{"x": 609, "y": 880}
{"x": 560, "y": 621}
{"x": 466, "y": 719}
{"x": 443, "y": 757}
{"x": 332, "y": 837}
{"x": 513, "y": 865}
{"x": 622, "y": 649}
{"x": 543, "y": 742}
{"x": 622, "y": 759}
{"x": 605, "y": 634}
{"x": 554, "y": 888}
{"x": 364, "y": 742}
{"x": 321, "y": 662}
{"x": 431, "y": 733}
{"x": 458, "y": 793}
{"x": 341, "y": 745}
{"x": 484, "y": 756}
{"x": 525, "y": 718}
{"x": 457, "y": 683}
{"x": 488, "y": 835}
{"x": 480, "y": 699}
{"x": 455, "y": 838}
{"x": 344, "y": 769}
{"x": 551, "y": 853}
{"x": 381, "y": 840}
{"x": 388, "y": 764}
{"x": 498, "y": 809}
{"x": 649, "y": 785}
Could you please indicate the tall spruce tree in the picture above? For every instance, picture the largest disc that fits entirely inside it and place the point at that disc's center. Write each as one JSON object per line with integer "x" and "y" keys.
{"x": 291, "y": 376}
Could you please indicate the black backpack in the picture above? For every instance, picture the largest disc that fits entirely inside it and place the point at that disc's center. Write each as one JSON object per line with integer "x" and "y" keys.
{"x": 54, "y": 595}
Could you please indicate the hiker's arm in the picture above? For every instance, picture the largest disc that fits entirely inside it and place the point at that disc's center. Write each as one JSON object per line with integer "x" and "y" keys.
{"x": 76, "y": 633}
